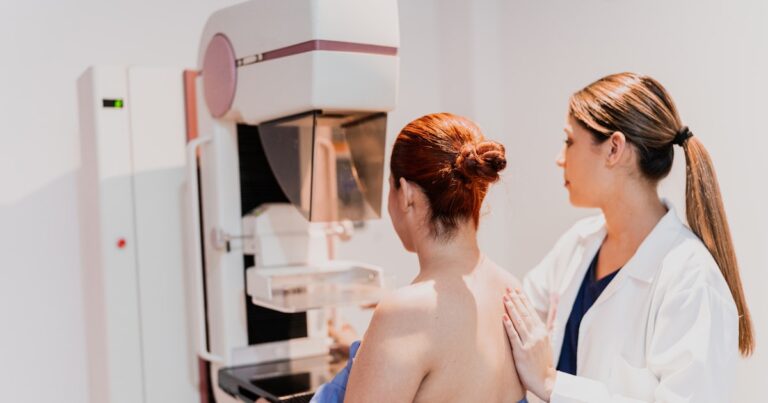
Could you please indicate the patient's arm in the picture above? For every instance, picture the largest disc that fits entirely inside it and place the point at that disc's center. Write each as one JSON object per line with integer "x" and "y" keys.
{"x": 395, "y": 354}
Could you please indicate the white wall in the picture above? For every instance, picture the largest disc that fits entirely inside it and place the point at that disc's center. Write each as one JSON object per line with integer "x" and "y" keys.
{"x": 510, "y": 65}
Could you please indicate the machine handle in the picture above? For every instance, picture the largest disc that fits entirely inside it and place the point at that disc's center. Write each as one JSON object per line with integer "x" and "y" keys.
{"x": 197, "y": 262}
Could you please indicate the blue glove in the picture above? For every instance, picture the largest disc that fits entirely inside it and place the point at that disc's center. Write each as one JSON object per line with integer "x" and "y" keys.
{"x": 333, "y": 391}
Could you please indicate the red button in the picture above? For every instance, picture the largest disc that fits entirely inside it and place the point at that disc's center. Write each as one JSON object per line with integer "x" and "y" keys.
{"x": 121, "y": 243}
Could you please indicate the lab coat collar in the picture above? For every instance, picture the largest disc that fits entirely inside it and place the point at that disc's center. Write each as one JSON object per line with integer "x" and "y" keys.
{"x": 642, "y": 267}
{"x": 644, "y": 264}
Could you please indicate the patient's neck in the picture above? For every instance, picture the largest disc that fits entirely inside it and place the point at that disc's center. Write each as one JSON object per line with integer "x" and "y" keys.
{"x": 453, "y": 257}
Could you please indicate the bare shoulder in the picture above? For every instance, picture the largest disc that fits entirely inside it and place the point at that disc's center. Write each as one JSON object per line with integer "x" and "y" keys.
{"x": 403, "y": 325}
{"x": 409, "y": 308}
{"x": 505, "y": 277}
{"x": 395, "y": 353}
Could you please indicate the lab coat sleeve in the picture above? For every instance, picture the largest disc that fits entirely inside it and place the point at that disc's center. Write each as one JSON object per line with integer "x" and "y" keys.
{"x": 578, "y": 389}
{"x": 541, "y": 284}
{"x": 691, "y": 354}
{"x": 538, "y": 284}
{"x": 694, "y": 349}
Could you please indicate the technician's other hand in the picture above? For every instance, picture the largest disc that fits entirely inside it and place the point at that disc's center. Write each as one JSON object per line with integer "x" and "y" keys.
{"x": 343, "y": 336}
{"x": 529, "y": 337}
{"x": 334, "y": 391}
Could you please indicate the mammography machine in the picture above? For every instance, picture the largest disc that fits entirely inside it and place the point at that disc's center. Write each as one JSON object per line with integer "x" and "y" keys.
{"x": 211, "y": 200}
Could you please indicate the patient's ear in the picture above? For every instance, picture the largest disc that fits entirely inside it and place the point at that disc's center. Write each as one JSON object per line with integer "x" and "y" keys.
{"x": 405, "y": 196}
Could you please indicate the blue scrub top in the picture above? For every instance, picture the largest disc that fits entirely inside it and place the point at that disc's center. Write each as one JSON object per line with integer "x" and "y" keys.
{"x": 590, "y": 290}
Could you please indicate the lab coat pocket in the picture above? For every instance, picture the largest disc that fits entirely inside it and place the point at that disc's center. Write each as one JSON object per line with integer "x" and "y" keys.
{"x": 632, "y": 381}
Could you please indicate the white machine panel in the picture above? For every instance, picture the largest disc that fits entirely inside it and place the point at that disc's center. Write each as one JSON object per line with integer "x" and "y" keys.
{"x": 139, "y": 332}
{"x": 157, "y": 139}
{"x": 108, "y": 235}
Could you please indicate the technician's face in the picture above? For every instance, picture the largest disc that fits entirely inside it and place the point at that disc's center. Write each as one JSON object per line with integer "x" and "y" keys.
{"x": 582, "y": 166}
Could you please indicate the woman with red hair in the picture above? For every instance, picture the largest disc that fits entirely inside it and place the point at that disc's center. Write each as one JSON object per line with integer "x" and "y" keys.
{"x": 439, "y": 339}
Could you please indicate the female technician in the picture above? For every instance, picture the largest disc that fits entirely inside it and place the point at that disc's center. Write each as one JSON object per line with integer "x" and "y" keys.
{"x": 640, "y": 307}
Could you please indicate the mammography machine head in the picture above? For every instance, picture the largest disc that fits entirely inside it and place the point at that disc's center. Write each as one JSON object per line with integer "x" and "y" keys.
{"x": 316, "y": 77}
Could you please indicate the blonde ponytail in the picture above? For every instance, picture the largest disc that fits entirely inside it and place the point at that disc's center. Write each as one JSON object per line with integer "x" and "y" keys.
{"x": 706, "y": 217}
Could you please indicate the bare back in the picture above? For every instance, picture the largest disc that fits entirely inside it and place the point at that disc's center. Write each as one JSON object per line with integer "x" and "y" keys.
{"x": 444, "y": 342}
{"x": 474, "y": 356}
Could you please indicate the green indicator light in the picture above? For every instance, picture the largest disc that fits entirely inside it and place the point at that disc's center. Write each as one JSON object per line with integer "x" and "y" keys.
{"x": 113, "y": 103}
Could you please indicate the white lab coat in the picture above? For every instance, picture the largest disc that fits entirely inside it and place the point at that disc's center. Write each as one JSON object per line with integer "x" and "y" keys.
{"x": 664, "y": 330}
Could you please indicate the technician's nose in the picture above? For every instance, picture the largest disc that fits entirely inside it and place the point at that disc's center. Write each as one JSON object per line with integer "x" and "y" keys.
{"x": 560, "y": 159}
